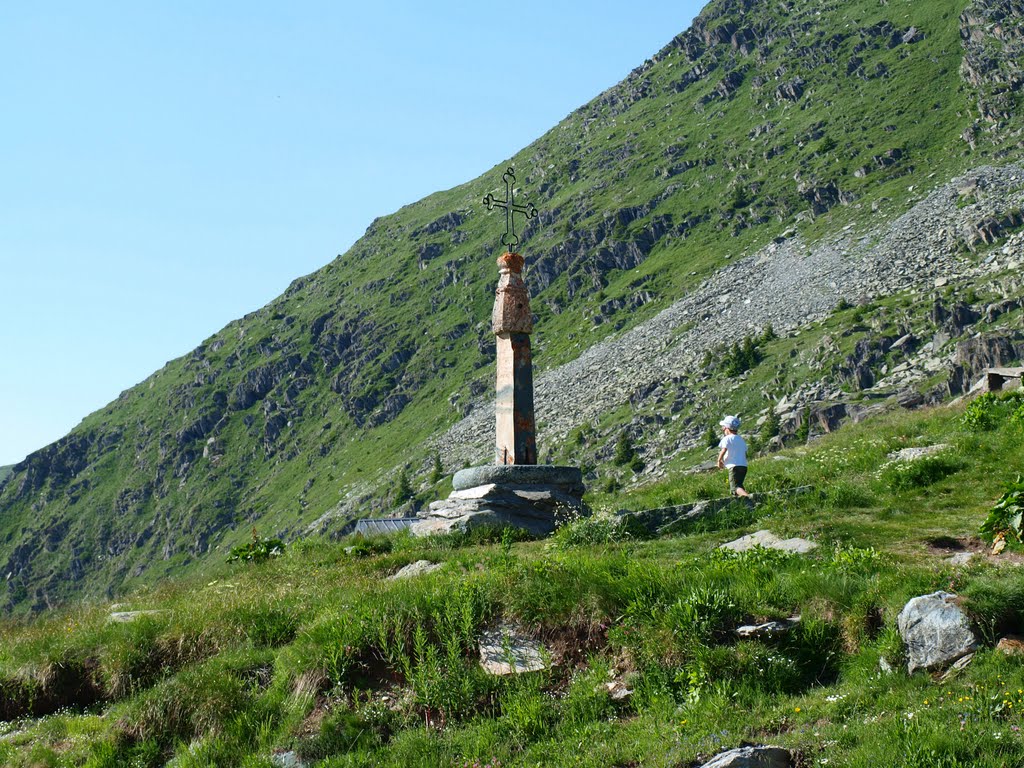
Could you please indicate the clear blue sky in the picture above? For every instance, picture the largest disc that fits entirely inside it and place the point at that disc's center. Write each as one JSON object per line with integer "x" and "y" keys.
{"x": 166, "y": 167}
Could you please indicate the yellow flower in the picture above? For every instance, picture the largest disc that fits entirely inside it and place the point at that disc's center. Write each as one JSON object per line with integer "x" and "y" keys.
{"x": 796, "y": 709}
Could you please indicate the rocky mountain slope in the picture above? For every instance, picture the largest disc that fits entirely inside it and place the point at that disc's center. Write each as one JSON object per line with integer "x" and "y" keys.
{"x": 808, "y": 173}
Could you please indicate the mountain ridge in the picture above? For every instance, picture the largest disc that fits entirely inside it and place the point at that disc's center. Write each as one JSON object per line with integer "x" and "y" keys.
{"x": 718, "y": 145}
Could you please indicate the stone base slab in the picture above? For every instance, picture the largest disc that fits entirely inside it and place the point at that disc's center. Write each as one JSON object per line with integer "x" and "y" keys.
{"x": 568, "y": 479}
{"x": 504, "y": 498}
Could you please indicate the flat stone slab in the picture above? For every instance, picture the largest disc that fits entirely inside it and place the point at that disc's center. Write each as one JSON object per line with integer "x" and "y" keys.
{"x": 289, "y": 759}
{"x": 568, "y": 479}
{"x": 960, "y": 558}
{"x": 935, "y": 631}
{"x": 769, "y": 540}
{"x": 509, "y": 651}
{"x": 535, "y": 508}
{"x": 419, "y": 568}
{"x": 752, "y": 757}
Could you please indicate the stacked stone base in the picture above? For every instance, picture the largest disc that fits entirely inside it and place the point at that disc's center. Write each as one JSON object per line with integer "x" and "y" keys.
{"x": 533, "y": 498}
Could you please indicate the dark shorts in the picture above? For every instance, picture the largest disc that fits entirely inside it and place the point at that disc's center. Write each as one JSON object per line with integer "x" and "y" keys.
{"x": 736, "y": 477}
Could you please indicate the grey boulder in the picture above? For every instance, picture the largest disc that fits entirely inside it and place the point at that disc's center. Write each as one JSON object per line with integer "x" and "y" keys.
{"x": 752, "y": 757}
{"x": 935, "y": 631}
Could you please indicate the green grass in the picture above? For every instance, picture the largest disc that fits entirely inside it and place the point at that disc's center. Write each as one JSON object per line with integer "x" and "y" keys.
{"x": 135, "y": 503}
{"x": 315, "y": 652}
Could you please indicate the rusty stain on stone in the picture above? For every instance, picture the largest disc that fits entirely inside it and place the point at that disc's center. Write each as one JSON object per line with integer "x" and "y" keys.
{"x": 511, "y": 300}
{"x": 512, "y": 323}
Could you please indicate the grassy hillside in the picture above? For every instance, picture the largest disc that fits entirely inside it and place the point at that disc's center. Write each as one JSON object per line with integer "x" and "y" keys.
{"x": 761, "y": 119}
{"x": 316, "y": 654}
{"x": 5, "y": 472}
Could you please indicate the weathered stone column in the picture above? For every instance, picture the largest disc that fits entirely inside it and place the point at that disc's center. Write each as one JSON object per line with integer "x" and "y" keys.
{"x": 512, "y": 323}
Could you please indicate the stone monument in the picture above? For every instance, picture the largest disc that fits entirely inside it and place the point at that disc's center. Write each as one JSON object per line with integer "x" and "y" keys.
{"x": 515, "y": 490}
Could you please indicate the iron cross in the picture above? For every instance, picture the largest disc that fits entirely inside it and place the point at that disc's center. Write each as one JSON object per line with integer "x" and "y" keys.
{"x": 509, "y": 239}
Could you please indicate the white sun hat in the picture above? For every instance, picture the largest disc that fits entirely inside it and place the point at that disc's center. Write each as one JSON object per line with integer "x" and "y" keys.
{"x": 730, "y": 422}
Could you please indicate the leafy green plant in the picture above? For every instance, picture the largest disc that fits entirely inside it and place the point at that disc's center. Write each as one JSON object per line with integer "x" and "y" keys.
{"x": 1005, "y": 519}
{"x": 1017, "y": 417}
{"x": 982, "y": 412}
{"x": 259, "y": 550}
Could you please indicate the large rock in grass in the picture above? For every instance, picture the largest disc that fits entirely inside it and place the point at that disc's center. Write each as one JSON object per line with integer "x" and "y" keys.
{"x": 768, "y": 540}
{"x": 752, "y": 757}
{"x": 935, "y": 631}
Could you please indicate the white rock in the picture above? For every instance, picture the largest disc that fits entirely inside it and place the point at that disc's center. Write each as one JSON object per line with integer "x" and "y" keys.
{"x": 419, "y": 568}
{"x": 509, "y": 651}
{"x": 752, "y": 757}
{"x": 769, "y": 540}
{"x": 910, "y": 454}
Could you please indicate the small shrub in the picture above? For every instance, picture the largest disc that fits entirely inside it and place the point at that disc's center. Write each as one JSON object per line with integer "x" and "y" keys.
{"x": 1005, "y": 519}
{"x": 803, "y": 431}
{"x": 624, "y": 453}
{"x": 588, "y": 531}
{"x": 919, "y": 473}
{"x": 366, "y": 546}
{"x": 259, "y": 550}
{"x": 1017, "y": 417}
{"x": 403, "y": 487}
{"x": 436, "y": 469}
{"x": 851, "y": 559}
{"x": 611, "y": 485}
{"x": 341, "y": 731}
{"x": 527, "y": 712}
{"x": 771, "y": 426}
{"x": 587, "y": 701}
{"x": 703, "y": 612}
{"x": 982, "y": 412}
{"x": 741, "y": 357}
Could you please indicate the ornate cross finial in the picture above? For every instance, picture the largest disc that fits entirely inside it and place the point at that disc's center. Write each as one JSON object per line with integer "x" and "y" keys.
{"x": 509, "y": 239}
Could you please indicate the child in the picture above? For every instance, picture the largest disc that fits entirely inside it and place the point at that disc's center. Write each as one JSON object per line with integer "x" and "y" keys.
{"x": 733, "y": 455}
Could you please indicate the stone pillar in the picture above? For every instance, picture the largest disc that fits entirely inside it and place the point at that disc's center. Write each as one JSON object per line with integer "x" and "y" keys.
{"x": 512, "y": 323}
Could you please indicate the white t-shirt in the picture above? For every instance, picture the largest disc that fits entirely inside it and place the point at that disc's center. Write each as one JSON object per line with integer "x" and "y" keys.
{"x": 735, "y": 451}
